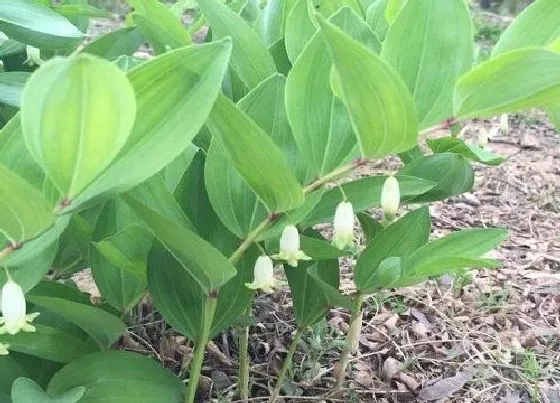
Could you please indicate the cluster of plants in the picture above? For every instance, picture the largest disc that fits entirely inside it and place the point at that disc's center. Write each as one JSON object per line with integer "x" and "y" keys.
{"x": 188, "y": 177}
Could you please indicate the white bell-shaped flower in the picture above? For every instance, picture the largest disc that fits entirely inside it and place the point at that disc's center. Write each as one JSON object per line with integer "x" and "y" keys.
{"x": 4, "y": 349}
{"x": 290, "y": 247}
{"x": 390, "y": 197}
{"x": 504, "y": 124}
{"x": 482, "y": 138}
{"x": 343, "y": 224}
{"x": 14, "y": 318}
{"x": 264, "y": 276}
{"x": 33, "y": 56}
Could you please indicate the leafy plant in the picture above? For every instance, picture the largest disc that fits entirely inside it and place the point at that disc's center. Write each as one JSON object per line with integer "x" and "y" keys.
{"x": 169, "y": 176}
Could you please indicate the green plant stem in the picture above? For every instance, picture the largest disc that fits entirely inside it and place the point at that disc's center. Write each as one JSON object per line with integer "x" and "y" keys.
{"x": 200, "y": 347}
{"x": 252, "y": 237}
{"x": 337, "y": 173}
{"x": 4, "y": 253}
{"x": 243, "y": 376}
{"x": 287, "y": 364}
{"x": 349, "y": 346}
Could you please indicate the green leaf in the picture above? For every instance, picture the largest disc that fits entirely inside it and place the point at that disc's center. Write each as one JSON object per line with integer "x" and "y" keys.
{"x": 370, "y": 226}
{"x": 430, "y": 45}
{"x": 124, "y": 41}
{"x": 174, "y": 172}
{"x": 299, "y": 29}
{"x": 118, "y": 265}
{"x": 544, "y": 14}
{"x": 48, "y": 343}
{"x": 11, "y": 87}
{"x": 451, "y": 173}
{"x": 99, "y": 108}
{"x": 380, "y": 106}
{"x": 328, "y": 7}
{"x": 319, "y": 249}
{"x": 33, "y": 24}
{"x": 175, "y": 93}
{"x": 400, "y": 239}
{"x": 255, "y": 156}
{"x": 271, "y": 21}
{"x": 118, "y": 377}
{"x": 250, "y": 58}
{"x": 81, "y": 10}
{"x": 24, "y": 213}
{"x": 201, "y": 260}
{"x": 394, "y": 8}
{"x": 25, "y": 390}
{"x": 487, "y": 91}
{"x": 319, "y": 119}
{"x": 375, "y": 18}
{"x": 364, "y": 193}
{"x": 10, "y": 370}
{"x": 103, "y": 327}
{"x": 469, "y": 151}
{"x": 457, "y": 250}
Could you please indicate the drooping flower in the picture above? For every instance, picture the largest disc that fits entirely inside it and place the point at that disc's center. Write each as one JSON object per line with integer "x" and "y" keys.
{"x": 390, "y": 197}
{"x": 4, "y": 349}
{"x": 343, "y": 224}
{"x": 504, "y": 123}
{"x": 14, "y": 317}
{"x": 482, "y": 138}
{"x": 33, "y": 56}
{"x": 264, "y": 276}
{"x": 290, "y": 247}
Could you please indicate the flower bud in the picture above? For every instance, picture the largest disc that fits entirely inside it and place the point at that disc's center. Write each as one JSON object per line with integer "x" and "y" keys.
{"x": 390, "y": 197}
{"x": 290, "y": 247}
{"x": 4, "y": 349}
{"x": 14, "y": 317}
{"x": 504, "y": 123}
{"x": 264, "y": 275}
{"x": 343, "y": 224}
{"x": 33, "y": 56}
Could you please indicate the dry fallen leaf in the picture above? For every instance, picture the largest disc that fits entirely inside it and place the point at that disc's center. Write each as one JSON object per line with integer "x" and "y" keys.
{"x": 390, "y": 368}
{"x": 445, "y": 387}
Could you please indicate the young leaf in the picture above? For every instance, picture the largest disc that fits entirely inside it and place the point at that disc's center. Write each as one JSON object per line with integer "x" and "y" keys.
{"x": 487, "y": 91}
{"x": 26, "y": 390}
{"x": 118, "y": 376}
{"x": 398, "y": 240}
{"x": 394, "y": 8}
{"x": 255, "y": 156}
{"x": 99, "y": 108}
{"x": 299, "y": 29}
{"x": 201, "y": 260}
{"x": 175, "y": 93}
{"x": 11, "y": 87}
{"x": 380, "y": 106}
{"x": 328, "y": 7}
{"x": 375, "y": 18}
{"x": 469, "y": 151}
{"x": 271, "y": 21}
{"x": 36, "y": 25}
{"x": 250, "y": 58}
{"x": 430, "y": 45}
{"x": 544, "y": 14}
{"x": 370, "y": 226}
{"x": 49, "y": 343}
{"x": 451, "y": 173}
{"x": 24, "y": 213}
{"x": 363, "y": 193}
{"x": 124, "y": 41}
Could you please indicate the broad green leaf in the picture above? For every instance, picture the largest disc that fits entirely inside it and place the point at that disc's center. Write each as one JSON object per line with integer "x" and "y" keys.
{"x": 174, "y": 172}
{"x": 299, "y": 29}
{"x": 430, "y": 45}
{"x": 319, "y": 119}
{"x": 364, "y": 193}
{"x": 328, "y": 7}
{"x": 487, "y": 91}
{"x": 450, "y": 173}
{"x": 118, "y": 377}
{"x": 375, "y": 18}
{"x": 11, "y": 87}
{"x": 370, "y": 226}
{"x": 399, "y": 240}
{"x": 538, "y": 24}
{"x": 26, "y": 390}
{"x": 98, "y": 105}
{"x": 34, "y": 24}
{"x": 394, "y": 8}
{"x": 201, "y": 260}
{"x": 163, "y": 29}
{"x": 118, "y": 265}
{"x": 250, "y": 58}
{"x": 469, "y": 151}
{"x": 319, "y": 249}
{"x": 124, "y": 41}
{"x": 24, "y": 213}
{"x": 380, "y": 106}
{"x": 103, "y": 327}
{"x": 271, "y": 21}
{"x": 175, "y": 93}
{"x": 10, "y": 370}
{"x": 256, "y": 156}
{"x": 38, "y": 369}
{"x": 48, "y": 343}
{"x": 81, "y": 10}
